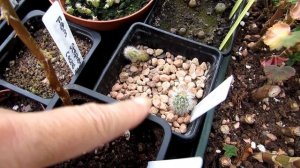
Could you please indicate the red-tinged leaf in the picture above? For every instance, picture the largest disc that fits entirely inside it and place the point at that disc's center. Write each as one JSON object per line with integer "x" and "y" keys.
{"x": 279, "y": 74}
{"x": 273, "y": 60}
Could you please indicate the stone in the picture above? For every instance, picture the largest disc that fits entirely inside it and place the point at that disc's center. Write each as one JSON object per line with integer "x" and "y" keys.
{"x": 180, "y": 74}
{"x": 177, "y": 130}
{"x": 161, "y": 62}
{"x": 173, "y": 77}
{"x": 158, "y": 52}
{"x": 163, "y": 106}
{"x": 164, "y": 78}
{"x": 170, "y": 117}
{"x": 185, "y": 66}
{"x": 133, "y": 69}
{"x": 200, "y": 84}
{"x": 182, "y": 31}
{"x": 173, "y": 69}
{"x": 120, "y": 96}
{"x": 183, "y": 128}
{"x": 195, "y": 61}
{"x": 150, "y": 51}
{"x": 178, "y": 63}
{"x": 113, "y": 94}
{"x": 116, "y": 87}
{"x": 154, "y": 61}
{"x": 199, "y": 71}
{"x": 188, "y": 79}
{"x": 151, "y": 84}
{"x": 180, "y": 120}
{"x": 203, "y": 66}
{"x": 132, "y": 86}
{"x": 173, "y": 30}
{"x": 154, "y": 110}
{"x": 163, "y": 116}
{"x": 165, "y": 86}
{"x": 199, "y": 93}
{"x": 175, "y": 124}
{"x": 156, "y": 101}
{"x": 146, "y": 72}
{"x": 201, "y": 34}
{"x": 187, "y": 119}
{"x": 170, "y": 61}
{"x": 191, "y": 85}
{"x": 166, "y": 69}
{"x": 130, "y": 80}
{"x": 156, "y": 78}
{"x": 140, "y": 89}
{"x": 192, "y": 69}
{"x": 164, "y": 98}
{"x": 123, "y": 76}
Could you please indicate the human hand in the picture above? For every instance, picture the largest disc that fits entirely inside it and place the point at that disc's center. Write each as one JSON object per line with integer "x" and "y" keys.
{"x": 44, "y": 138}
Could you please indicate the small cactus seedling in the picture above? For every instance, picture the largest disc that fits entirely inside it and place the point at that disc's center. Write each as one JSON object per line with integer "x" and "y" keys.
{"x": 182, "y": 102}
{"x": 230, "y": 151}
{"x": 135, "y": 55}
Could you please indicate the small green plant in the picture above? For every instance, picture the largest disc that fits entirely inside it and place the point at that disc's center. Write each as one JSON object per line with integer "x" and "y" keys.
{"x": 182, "y": 102}
{"x": 230, "y": 151}
{"x": 135, "y": 55}
{"x": 103, "y": 9}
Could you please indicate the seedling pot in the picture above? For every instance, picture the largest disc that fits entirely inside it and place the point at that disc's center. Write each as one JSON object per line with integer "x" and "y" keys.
{"x": 143, "y": 34}
{"x": 10, "y": 49}
{"x": 149, "y": 124}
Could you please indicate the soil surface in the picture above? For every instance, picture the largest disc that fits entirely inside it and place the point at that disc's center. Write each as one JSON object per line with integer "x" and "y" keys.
{"x": 24, "y": 71}
{"x": 142, "y": 146}
{"x": 19, "y": 103}
{"x": 201, "y": 23}
{"x": 270, "y": 115}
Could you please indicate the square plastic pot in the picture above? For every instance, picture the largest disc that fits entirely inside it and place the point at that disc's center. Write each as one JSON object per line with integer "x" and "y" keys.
{"x": 143, "y": 34}
{"x": 157, "y": 8}
{"x": 22, "y": 8}
{"x": 12, "y": 45}
{"x": 150, "y": 122}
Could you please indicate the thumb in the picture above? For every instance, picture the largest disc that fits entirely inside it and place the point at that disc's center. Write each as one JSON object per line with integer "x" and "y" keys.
{"x": 114, "y": 119}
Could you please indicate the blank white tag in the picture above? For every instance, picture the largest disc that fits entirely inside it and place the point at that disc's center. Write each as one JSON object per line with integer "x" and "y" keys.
{"x": 194, "y": 162}
{"x": 59, "y": 29}
{"x": 215, "y": 97}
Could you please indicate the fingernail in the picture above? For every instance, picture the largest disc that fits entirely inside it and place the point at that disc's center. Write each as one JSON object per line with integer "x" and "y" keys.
{"x": 142, "y": 101}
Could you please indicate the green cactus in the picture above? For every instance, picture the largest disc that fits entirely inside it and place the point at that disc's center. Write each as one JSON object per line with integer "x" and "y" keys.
{"x": 135, "y": 55}
{"x": 95, "y": 3}
{"x": 109, "y": 3}
{"x": 70, "y": 10}
{"x": 182, "y": 102}
{"x": 83, "y": 10}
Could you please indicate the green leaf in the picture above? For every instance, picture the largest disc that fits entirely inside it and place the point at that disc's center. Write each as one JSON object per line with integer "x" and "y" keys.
{"x": 235, "y": 8}
{"x": 279, "y": 74}
{"x": 293, "y": 59}
{"x": 292, "y": 39}
{"x": 230, "y": 150}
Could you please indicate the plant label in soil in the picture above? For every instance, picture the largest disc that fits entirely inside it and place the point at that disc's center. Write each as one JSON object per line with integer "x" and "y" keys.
{"x": 194, "y": 162}
{"x": 59, "y": 29}
{"x": 216, "y": 97}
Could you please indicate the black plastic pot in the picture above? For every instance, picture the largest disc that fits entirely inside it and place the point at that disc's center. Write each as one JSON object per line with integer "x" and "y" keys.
{"x": 22, "y": 8}
{"x": 143, "y": 34}
{"x": 157, "y": 8}
{"x": 149, "y": 123}
{"x": 12, "y": 45}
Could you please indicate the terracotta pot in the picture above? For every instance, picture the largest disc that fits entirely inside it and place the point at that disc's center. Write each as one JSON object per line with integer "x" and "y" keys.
{"x": 106, "y": 25}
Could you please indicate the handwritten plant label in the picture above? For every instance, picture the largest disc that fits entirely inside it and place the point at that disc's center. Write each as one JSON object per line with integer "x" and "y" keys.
{"x": 214, "y": 98}
{"x": 59, "y": 29}
{"x": 193, "y": 162}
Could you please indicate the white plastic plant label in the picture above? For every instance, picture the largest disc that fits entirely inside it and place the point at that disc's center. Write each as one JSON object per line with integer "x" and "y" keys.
{"x": 193, "y": 162}
{"x": 216, "y": 97}
{"x": 59, "y": 29}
